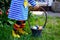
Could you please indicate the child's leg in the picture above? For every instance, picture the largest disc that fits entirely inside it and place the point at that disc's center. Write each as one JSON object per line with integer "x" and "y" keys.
{"x": 19, "y": 27}
{"x": 14, "y": 31}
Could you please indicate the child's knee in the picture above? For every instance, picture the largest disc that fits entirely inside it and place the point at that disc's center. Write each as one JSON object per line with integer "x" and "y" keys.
{"x": 21, "y": 24}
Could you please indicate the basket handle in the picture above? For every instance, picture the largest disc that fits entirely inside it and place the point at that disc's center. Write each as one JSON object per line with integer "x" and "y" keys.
{"x": 45, "y": 17}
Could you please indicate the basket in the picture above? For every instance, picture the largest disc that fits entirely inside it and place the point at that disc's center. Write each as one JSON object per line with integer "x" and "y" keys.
{"x": 36, "y": 32}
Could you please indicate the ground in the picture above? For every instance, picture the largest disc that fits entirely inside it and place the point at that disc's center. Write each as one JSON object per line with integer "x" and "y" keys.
{"x": 50, "y": 32}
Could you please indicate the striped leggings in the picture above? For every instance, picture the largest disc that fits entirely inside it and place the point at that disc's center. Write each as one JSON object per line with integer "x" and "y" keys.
{"x": 19, "y": 24}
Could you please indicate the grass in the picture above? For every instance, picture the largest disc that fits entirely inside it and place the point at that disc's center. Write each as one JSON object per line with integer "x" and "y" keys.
{"x": 50, "y": 32}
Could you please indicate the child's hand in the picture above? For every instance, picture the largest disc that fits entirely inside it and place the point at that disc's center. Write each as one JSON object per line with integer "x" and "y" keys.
{"x": 37, "y": 6}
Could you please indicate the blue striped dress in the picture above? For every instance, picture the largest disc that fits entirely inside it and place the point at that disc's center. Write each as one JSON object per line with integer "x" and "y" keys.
{"x": 18, "y": 11}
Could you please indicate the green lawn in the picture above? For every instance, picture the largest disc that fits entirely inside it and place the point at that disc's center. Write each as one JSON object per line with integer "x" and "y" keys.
{"x": 50, "y": 32}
